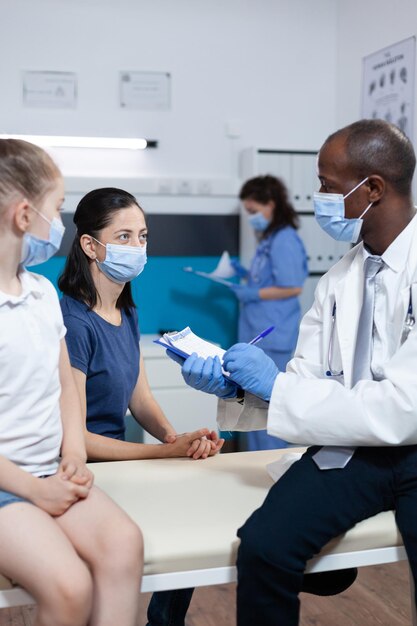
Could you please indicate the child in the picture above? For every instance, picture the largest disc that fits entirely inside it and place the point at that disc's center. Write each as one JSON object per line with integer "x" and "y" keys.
{"x": 61, "y": 538}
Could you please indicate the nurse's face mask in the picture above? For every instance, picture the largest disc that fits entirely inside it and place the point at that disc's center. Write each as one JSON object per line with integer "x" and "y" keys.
{"x": 122, "y": 263}
{"x": 329, "y": 209}
{"x": 258, "y": 221}
{"x": 36, "y": 250}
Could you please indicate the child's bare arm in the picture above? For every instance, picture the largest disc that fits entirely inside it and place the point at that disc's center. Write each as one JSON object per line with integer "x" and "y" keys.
{"x": 51, "y": 494}
{"x": 73, "y": 451}
{"x": 73, "y": 422}
{"x": 15, "y": 480}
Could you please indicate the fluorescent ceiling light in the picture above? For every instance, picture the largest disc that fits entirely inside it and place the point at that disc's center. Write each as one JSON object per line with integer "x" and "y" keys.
{"x": 55, "y": 141}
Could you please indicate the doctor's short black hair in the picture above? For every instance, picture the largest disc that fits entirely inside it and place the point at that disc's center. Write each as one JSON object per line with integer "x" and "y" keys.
{"x": 378, "y": 147}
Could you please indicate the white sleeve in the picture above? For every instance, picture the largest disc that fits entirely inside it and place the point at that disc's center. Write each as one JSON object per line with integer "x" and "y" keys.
{"x": 308, "y": 408}
{"x": 251, "y": 415}
{"x": 308, "y": 411}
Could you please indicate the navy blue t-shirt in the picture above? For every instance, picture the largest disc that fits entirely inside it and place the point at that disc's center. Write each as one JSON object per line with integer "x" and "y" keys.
{"x": 109, "y": 357}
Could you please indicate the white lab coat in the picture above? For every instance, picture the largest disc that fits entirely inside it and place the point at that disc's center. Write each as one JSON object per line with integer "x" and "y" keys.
{"x": 309, "y": 408}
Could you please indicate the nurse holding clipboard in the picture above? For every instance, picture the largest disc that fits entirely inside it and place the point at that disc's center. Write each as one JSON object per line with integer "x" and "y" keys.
{"x": 274, "y": 281}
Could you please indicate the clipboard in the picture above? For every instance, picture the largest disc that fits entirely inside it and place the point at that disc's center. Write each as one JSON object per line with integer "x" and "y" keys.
{"x": 194, "y": 343}
{"x": 212, "y": 277}
{"x": 169, "y": 346}
{"x": 220, "y": 274}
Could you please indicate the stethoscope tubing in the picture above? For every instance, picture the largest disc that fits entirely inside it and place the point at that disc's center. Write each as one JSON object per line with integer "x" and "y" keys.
{"x": 408, "y": 323}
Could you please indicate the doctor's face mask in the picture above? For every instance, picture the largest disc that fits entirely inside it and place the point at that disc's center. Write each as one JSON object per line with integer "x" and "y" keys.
{"x": 329, "y": 210}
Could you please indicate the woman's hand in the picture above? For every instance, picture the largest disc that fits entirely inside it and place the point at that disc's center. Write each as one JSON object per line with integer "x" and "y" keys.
{"x": 74, "y": 469}
{"x": 170, "y": 437}
{"x": 55, "y": 495}
{"x": 182, "y": 444}
{"x": 202, "y": 448}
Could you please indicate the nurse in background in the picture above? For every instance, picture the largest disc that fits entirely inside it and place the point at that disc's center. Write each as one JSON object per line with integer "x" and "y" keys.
{"x": 274, "y": 280}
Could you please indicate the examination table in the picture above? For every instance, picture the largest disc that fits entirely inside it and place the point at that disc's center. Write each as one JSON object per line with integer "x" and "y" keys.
{"x": 189, "y": 512}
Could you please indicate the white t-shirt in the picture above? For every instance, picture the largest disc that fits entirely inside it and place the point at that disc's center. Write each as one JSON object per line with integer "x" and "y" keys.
{"x": 31, "y": 327}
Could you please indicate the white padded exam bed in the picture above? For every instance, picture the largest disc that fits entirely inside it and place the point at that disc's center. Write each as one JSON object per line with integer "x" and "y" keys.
{"x": 189, "y": 512}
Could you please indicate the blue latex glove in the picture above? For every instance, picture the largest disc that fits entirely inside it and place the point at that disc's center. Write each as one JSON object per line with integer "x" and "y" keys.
{"x": 206, "y": 375}
{"x": 252, "y": 369}
{"x": 245, "y": 294}
{"x": 241, "y": 271}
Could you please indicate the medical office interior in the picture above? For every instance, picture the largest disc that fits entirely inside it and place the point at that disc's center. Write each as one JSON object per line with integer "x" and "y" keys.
{"x": 251, "y": 88}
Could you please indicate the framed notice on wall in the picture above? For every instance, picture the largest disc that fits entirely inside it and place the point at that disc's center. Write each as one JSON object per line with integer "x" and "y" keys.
{"x": 149, "y": 91}
{"x": 49, "y": 90}
{"x": 388, "y": 85}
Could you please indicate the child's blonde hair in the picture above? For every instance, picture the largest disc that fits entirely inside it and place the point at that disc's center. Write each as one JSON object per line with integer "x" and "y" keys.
{"x": 25, "y": 169}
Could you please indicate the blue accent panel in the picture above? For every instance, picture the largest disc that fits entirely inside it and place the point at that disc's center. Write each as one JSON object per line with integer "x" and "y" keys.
{"x": 52, "y": 269}
{"x": 170, "y": 299}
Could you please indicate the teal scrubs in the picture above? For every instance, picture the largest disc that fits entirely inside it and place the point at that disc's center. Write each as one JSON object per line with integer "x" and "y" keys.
{"x": 280, "y": 261}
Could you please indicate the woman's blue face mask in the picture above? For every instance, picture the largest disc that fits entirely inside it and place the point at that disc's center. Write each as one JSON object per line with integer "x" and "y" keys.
{"x": 122, "y": 263}
{"x": 258, "y": 222}
{"x": 36, "y": 250}
{"x": 329, "y": 209}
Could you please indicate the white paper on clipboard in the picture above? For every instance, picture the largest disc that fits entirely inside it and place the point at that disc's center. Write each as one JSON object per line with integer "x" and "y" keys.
{"x": 209, "y": 276}
{"x": 188, "y": 342}
{"x": 185, "y": 342}
{"x": 220, "y": 274}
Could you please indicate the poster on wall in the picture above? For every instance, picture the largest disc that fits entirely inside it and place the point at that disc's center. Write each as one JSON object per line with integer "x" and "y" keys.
{"x": 49, "y": 90}
{"x": 149, "y": 91}
{"x": 388, "y": 85}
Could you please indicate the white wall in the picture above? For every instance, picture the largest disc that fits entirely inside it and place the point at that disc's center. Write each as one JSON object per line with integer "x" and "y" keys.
{"x": 364, "y": 27}
{"x": 270, "y": 65}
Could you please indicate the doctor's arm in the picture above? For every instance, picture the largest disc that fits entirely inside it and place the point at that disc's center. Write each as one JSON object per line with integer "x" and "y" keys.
{"x": 234, "y": 411}
{"x": 252, "y": 413}
{"x": 249, "y": 367}
{"x": 257, "y": 374}
{"x": 308, "y": 407}
{"x": 372, "y": 413}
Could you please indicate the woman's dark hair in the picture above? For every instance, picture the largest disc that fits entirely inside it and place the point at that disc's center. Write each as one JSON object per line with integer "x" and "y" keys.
{"x": 94, "y": 212}
{"x": 264, "y": 189}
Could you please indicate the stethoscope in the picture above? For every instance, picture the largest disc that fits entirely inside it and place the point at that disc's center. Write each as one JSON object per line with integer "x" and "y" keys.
{"x": 408, "y": 326}
{"x": 259, "y": 261}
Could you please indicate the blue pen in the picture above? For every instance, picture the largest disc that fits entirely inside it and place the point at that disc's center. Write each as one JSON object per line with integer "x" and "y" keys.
{"x": 261, "y": 335}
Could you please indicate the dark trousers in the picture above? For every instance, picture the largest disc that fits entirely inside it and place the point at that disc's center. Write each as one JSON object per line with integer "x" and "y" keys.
{"x": 169, "y": 608}
{"x": 307, "y": 508}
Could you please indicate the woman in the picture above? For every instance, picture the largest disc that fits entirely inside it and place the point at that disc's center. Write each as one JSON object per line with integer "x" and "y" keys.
{"x": 274, "y": 280}
{"x": 109, "y": 251}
